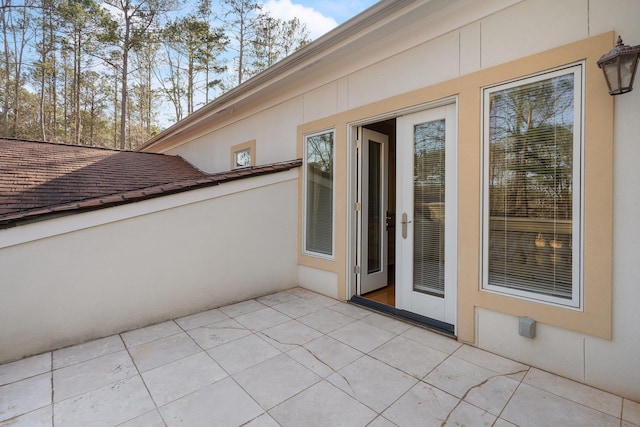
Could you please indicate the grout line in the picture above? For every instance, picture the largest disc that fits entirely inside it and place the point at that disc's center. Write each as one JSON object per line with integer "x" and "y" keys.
{"x": 52, "y": 393}
{"x": 141, "y": 378}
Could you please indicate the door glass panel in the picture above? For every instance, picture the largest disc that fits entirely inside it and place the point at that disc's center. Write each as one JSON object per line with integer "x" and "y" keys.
{"x": 429, "y": 204}
{"x": 374, "y": 262}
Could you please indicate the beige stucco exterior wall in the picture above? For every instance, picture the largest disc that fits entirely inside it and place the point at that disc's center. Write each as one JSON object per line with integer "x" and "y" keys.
{"x": 599, "y": 345}
{"x": 451, "y": 53}
{"x": 117, "y": 276}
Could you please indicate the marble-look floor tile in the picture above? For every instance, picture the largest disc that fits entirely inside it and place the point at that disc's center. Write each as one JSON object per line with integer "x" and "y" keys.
{"x": 177, "y": 379}
{"x": 300, "y": 307}
{"x": 275, "y": 380}
{"x": 457, "y": 376}
{"x": 92, "y": 374}
{"x": 579, "y": 393}
{"x": 631, "y": 411}
{"x": 241, "y": 308}
{"x": 387, "y": 323}
{"x": 25, "y": 368}
{"x": 362, "y": 336}
{"x": 493, "y": 362}
{"x": 318, "y": 406}
{"x": 107, "y": 406}
{"x": 468, "y": 415}
{"x": 86, "y": 351}
{"x": 532, "y": 407}
{"x": 221, "y": 404}
{"x": 262, "y": 319}
{"x": 372, "y": 382}
{"x": 409, "y": 356}
{"x": 432, "y": 339}
{"x": 326, "y": 320}
{"x": 292, "y": 333}
{"x": 150, "y": 419}
{"x": 325, "y": 355}
{"x": 503, "y": 423}
{"x": 423, "y": 405}
{"x": 264, "y": 420}
{"x": 493, "y": 394}
{"x": 381, "y": 422}
{"x": 25, "y": 396}
{"x": 218, "y": 333}
{"x": 243, "y": 353}
{"x": 277, "y": 298}
{"x": 150, "y": 333}
{"x": 42, "y": 417}
{"x": 201, "y": 319}
{"x": 165, "y": 350}
{"x": 350, "y": 310}
{"x": 317, "y": 298}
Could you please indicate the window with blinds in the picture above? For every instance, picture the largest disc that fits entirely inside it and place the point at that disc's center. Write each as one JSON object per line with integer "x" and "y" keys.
{"x": 532, "y": 186}
{"x": 429, "y": 204}
{"x": 318, "y": 194}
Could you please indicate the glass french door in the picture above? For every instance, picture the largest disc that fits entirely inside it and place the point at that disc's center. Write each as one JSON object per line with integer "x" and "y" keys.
{"x": 426, "y": 205}
{"x": 374, "y": 193}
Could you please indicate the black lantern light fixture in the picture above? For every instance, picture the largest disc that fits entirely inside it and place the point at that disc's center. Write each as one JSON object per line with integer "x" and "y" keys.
{"x": 619, "y": 66}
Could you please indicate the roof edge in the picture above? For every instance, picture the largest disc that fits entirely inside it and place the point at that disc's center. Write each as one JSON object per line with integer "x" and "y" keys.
{"x": 54, "y": 211}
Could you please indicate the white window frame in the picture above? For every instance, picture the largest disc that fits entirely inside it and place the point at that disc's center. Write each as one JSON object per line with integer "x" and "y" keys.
{"x": 575, "y": 302}
{"x": 306, "y": 251}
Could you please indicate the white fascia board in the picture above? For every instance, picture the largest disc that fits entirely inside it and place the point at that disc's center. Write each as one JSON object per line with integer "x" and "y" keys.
{"x": 74, "y": 222}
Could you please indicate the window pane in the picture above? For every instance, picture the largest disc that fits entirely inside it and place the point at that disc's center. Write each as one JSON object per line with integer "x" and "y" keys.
{"x": 428, "y": 202}
{"x": 375, "y": 209}
{"x": 319, "y": 193}
{"x": 531, "y": 185}
{"x": 243, "y": 158}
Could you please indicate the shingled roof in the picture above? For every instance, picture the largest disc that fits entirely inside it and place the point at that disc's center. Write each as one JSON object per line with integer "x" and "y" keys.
{"x": 39, "y": 180}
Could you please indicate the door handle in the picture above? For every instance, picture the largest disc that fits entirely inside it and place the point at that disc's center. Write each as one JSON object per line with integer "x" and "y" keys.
{"x": 404, "y": 223}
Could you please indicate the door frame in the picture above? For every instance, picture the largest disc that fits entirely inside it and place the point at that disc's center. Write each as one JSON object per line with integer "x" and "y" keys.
{"x": 352, "y": 189}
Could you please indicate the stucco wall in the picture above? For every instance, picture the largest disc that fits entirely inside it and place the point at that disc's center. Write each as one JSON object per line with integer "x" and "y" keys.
{"x": 121, "y": 275}
{"x": 426, "y": 50}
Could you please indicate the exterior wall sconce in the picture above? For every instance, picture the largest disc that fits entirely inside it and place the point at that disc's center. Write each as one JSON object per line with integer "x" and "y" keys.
{"x": 619, "y": 66}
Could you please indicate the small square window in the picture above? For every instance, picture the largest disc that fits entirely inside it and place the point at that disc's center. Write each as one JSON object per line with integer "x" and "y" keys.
{"x": 243, "y": 155}
{"x": 242, "y": 158}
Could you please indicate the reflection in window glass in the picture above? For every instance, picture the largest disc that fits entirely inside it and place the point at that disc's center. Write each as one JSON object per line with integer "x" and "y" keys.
{"x": 319, "y": 193}
{"x": 242, "y": 158}
{"x": 429, "y": 207}
{"x": 533, "y": 185}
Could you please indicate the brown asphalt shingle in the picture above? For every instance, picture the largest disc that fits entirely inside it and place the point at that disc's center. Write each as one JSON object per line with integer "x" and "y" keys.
{"x": 42, "y": 179}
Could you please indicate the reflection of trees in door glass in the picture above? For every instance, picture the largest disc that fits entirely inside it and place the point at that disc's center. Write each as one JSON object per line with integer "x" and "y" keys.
{"x": 429, "y": 187}
{"x": 429, "y": 160}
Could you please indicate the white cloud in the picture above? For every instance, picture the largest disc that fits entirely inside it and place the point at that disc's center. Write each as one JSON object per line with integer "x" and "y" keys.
{"x": 317, "y": 23}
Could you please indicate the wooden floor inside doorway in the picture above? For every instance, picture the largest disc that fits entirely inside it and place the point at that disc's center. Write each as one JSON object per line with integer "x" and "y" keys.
{"x": 386, "y": 295}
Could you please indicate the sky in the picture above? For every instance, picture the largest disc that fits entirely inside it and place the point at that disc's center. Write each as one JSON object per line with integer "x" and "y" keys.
{"x": 320, "y": 16}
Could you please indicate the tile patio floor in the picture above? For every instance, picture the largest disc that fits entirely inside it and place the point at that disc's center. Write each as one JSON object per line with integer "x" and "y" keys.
{"x": 293, "y": 358}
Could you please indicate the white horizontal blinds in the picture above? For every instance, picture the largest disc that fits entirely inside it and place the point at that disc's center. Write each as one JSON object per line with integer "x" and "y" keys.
{"x": 319, "y": 193}
{"x": 429, "y": 203}
{"x": 531, "y": 186}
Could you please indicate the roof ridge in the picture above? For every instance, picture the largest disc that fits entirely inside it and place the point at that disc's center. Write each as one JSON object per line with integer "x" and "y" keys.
{"x": 64, "y": 144}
